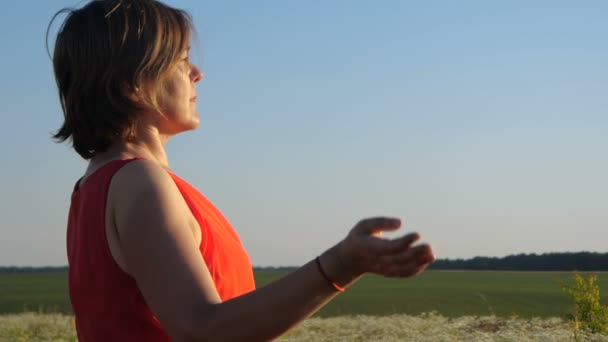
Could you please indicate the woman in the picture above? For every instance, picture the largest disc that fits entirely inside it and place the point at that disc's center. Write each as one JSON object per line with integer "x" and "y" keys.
{"x": 151, "y": 259}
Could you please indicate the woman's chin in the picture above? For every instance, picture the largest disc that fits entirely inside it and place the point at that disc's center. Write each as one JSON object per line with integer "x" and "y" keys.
{"x": 196, "y": 121}
{"x": 193, "y": 124}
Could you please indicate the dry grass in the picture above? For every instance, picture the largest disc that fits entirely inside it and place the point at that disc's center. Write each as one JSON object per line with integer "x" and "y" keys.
{"x": 433, "y": 327}
{"x": 427, "y": 327}
{"x": 37, "y": 327}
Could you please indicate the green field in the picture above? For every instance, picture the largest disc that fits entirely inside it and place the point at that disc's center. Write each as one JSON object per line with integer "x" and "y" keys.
{"x": 44, "y": 292}
{"x": 449, "y": 293}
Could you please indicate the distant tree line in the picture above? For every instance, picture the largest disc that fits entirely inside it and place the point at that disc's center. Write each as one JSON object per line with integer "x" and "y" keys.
{"x": 576, "y": 261}
{"x": 45, "y": 269}
{"x": 571, "y": 261}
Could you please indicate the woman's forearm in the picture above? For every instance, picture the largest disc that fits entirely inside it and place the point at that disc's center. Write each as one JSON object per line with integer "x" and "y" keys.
{"x": 270, "y": 311}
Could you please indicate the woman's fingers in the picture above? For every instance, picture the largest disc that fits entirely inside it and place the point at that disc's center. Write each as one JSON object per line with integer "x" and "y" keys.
{"x": 373, "y": 225}
{"x": 388, "y": 257}
{"x": 406, "y": 263}
{"x": 381, "y": 247}
{"x": 406, "y": 241}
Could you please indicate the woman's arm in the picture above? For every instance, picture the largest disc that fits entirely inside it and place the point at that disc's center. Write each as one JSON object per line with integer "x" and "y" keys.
{"x": 155, "y": 225}
{"x": 272, "y": 310}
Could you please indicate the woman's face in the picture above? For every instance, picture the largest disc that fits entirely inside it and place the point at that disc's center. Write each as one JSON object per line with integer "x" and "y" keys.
{"x": 178, "y": 98}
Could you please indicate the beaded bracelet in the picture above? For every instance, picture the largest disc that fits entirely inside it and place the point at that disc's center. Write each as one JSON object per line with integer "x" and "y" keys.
{"x": 333, "y": 284}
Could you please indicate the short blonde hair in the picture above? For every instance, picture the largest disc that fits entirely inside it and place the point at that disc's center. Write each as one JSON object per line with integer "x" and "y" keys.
{"x": 106, "y": 51}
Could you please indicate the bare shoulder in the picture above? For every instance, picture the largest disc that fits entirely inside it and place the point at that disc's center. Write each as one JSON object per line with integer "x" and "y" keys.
{"x": 142, "y": 194}
{"x": 140, "y": 175}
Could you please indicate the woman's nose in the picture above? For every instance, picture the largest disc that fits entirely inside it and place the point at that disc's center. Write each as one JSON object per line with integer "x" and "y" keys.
{"x": 197, "y": 74}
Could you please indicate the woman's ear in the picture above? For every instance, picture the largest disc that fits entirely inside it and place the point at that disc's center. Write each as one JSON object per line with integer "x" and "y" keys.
{"x": 134, "y": 93}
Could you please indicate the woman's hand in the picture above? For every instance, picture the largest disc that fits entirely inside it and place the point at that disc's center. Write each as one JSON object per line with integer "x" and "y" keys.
{"x": 364, "y": 250}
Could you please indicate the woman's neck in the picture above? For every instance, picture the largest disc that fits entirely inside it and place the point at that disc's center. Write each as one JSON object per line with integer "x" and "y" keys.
{"x": 146, "y": 143}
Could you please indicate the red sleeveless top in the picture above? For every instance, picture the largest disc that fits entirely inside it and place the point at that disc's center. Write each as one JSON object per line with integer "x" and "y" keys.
{"x": 107, "y": 303}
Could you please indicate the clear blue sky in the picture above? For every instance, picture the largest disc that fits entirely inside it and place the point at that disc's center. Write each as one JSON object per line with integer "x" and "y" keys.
{"x": 483, "y": 124}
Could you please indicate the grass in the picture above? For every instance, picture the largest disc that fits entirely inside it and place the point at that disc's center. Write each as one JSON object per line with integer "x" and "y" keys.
{"x": 435, "y": 306}
{"x": 456, "y": 293}
{"x": 449, "y": 293}
{"x": 39, "y": 292}
{"x": 33, "y": 327}
{"x": 30, "y": 327}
